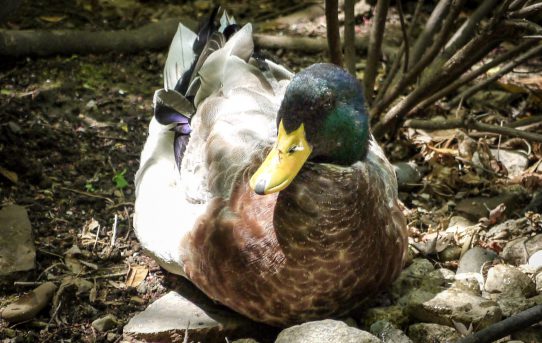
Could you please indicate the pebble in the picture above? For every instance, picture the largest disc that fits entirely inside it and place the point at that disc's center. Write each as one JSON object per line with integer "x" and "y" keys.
{"x": 473, "y": 260}
{"x": 388, "y": 333}
{"x": 535, "y": 260}
{"x": 17, "y": 250}
{"x": 411, "y": 277}
{"x": 515, "y": 161}
{"x": 198, "y": 318}
{"x": 508, "y": 281}
{"x": 477, "y": 207}
{"x": 407, "y": 173}
{"x": 456, "y": 305}
{"x": 432, "y": 333}
{"x": 511, "y": 306}
{"x": 324, "y": 331}
{"x": 518, "y": 251}
{"x": 392, "y": 314}
{"x": 105, "y": 323}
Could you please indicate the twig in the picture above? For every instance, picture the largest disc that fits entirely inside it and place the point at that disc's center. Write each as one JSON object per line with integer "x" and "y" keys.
{"x": 305, "y": 44}
{"x": 505, "y": 327}
{"x": 97, "y": 235}
{"x": 418, "y": 67}
{"x": 375, "y": 44}
{"x": 91, "y": 195}
{"x": 114, "y": 234}
{"x": 470, "y": 123}
{"x": 349, "y": 37}
{"x": 393, "y": 71}
{"x": 464, "y": 79}
{"x": 525, "y": 121}
{"x": 27, "y": 283}
{"x": 333, "y": 35}
{"x": 527, "y": 11}
{"x": 405, "y": 34}
{"x": 505, "y": 69}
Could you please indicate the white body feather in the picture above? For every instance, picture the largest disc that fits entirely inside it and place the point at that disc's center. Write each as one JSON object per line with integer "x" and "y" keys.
{"x": 236, "y": 111}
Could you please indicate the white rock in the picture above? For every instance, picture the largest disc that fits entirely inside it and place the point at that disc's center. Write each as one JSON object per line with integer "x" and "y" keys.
{"x": 514, "y": 161}
{"x": 535, "y": 260}
{"x": 432, "y": 333}
{"x": 456, "y": 305}
{"x": 388, "y": 333}
{"x": 509, "y": 281}
{"x": 518, "y": 251}
{"x": 175, "y": 316}
{"x": 325, "y": 331}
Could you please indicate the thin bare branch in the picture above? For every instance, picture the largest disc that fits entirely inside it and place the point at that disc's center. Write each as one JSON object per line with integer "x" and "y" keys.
{"x": 468, "y": 77}
{"x": 468, "y": 29}
{"x": 505, "y": 327}
{"x": 375, "y": 46}
{"x": 505, "y": 69}
{"x": 418, "y": 68}
{"x": 472, "y": 124}
{"x": 528, "y": 11}
{"x": 333, "y": 35}
{"x": 349, "y": 36}
{"x": 517, "y": 4}
{"x": 431, "y": 28}
{"x": 405, "y": 34}
{"x": 393, "y": 71}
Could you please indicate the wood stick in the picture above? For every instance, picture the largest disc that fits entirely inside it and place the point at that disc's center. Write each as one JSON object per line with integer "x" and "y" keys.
{"x": 505, "y": 327}
{"x": 375, "y": 44}
{"x": 333, "y": 35}
{"x": 471, "y": 123}
{"x": 349, "y": 37}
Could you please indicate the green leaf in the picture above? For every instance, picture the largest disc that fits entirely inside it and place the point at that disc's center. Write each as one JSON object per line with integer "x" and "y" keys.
{"x": 120, "y": 181}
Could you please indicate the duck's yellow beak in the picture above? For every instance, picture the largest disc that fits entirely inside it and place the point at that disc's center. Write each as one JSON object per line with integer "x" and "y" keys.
{"x": 283, "y": 162}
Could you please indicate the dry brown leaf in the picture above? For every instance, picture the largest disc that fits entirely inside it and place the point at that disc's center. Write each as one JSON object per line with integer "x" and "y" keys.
{"x": 8, "y": 174}
{"x": 52, "y": 18}
{"x": 136, "y": 275}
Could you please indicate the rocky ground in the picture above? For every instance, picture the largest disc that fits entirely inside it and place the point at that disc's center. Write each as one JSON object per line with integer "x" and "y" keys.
{"x": 71, "y": 131}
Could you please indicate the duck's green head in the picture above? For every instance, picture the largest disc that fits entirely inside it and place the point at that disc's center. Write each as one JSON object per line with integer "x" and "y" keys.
{"x": 322, "y": 118}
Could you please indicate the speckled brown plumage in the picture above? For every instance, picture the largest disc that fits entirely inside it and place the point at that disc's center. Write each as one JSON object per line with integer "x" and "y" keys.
{"x": 315, "y": 250}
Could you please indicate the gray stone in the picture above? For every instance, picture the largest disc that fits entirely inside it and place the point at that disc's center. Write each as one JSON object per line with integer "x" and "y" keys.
{"x": 432, "y": 333}
{"x": 393, "y": 314}
{"x": 388, "y": 333}
{"x": 473, "y": 260}
{"x": 509, "y": 281}
{"x": 411, "y": 277}
{"x": 456, "y": 305}
{"x": 514, "y": 161}
{"x": 105, "y": 323}
{"x": 325, "y": 331}
{"x": 174, "y": 316}
{"x": 407, "y": 173}
{"x": 519, "y": 250}
{"x": 17, "y": 250}
{"x": 472, "y": 283}
{"x": 437, "y": 280}
{"x": 477, "y": 207}
{"x": 509, "y": 229}
{"x": 245, "y": 340}
{"x": 415, "y": 298}
{"x": 535, "y": 260}
{"x": 511, "y": 306}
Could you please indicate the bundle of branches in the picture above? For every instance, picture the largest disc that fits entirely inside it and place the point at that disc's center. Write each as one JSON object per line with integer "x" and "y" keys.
{"x": 444, "y": 56}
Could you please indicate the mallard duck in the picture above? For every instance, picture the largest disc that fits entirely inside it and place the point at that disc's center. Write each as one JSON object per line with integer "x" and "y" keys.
{"x": 266, "y": 190}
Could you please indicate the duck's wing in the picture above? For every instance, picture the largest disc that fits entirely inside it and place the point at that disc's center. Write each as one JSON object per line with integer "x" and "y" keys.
{"x": 237, "y": 102}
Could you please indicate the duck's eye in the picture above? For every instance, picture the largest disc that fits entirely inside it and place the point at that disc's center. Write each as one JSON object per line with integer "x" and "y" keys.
{"x": 293, "y": 149}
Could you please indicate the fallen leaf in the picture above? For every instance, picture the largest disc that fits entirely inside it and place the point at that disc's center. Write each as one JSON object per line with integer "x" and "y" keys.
{"x": 136, "y": 275}
{"x": 52, "y": 18}
{"x": 8, "y": 174}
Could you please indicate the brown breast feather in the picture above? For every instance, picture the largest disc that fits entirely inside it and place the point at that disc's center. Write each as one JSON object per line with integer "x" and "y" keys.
{"x": 315, "y": 250}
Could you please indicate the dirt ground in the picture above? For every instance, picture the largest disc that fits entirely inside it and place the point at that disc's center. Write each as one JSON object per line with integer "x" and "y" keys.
{"x": 71, "y": 130}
